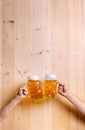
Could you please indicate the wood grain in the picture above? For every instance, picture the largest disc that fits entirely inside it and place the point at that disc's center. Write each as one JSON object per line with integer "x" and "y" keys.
{"x": 42, "y": 37}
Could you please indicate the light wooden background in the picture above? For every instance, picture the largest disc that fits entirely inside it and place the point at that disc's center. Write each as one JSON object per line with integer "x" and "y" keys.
{"x": 40, "y": 37}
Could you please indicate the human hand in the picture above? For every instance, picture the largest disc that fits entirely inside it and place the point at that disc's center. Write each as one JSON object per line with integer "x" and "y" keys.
{"x": 62, "y": 90}
{"x": 23, "y": 92}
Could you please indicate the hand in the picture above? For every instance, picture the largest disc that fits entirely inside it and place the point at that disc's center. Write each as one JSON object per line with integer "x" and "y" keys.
{"x": 62, "y": 90}
{"x": 23, "y": 92}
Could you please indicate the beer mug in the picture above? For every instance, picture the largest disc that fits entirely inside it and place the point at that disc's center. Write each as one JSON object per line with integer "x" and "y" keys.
{"x": 50, "y": 86}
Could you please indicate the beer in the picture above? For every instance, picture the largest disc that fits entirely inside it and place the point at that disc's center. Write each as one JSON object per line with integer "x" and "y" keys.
{"x": 35, "y": 88}
{"x": 50, "y": 86}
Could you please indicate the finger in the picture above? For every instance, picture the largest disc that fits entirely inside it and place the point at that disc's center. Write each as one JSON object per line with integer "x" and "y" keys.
{"x": 60, "y": 84}
{"x": 25, "y": 90}
{"x": 25, "y": 93}
{"x": 20, "y": 92}
{"x": 60, "y": 87}
{"x": 59, "y": 90}
{"x": 62, "y": 93}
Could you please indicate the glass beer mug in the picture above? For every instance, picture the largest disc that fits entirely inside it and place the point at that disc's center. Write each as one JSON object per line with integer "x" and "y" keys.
{"x": 35, "y": 88}
{"x": 50, "y": 86}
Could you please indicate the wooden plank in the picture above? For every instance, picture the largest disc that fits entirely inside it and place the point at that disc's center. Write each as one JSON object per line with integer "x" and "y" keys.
{"x": 60, "y": 59}
{"x": 21, "y": 60}
{"x": 8, "y": 57}
{"x": 76, "y": 55}
{"x": 0, "y": 57}
{"x": 40, "y": 50}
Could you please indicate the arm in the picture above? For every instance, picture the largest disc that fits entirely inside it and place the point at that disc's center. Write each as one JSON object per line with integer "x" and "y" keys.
{"x": 80, "y": 105}
{"x": 22, "y": 93}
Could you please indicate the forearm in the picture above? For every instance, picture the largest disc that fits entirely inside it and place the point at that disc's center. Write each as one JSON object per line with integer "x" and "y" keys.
{"x": 77, "y": 102}
{"x": 9, "y": 107}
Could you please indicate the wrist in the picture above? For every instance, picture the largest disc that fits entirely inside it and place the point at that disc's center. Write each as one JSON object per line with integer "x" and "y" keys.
{"x": 68, "y": 94}
{"x": 18, "y": 98}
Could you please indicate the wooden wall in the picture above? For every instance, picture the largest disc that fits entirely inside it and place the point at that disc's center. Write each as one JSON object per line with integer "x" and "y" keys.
{"x": 39, "y": 37}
